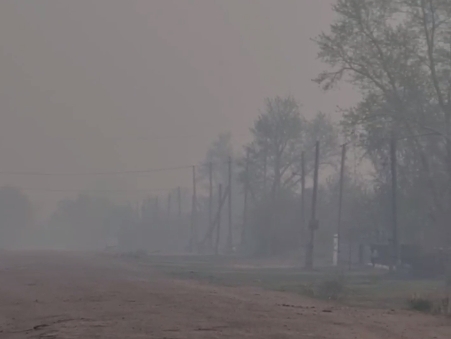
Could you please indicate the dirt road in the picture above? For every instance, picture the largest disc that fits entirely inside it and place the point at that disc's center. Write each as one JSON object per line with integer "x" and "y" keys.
{"x": 86, "y": 296}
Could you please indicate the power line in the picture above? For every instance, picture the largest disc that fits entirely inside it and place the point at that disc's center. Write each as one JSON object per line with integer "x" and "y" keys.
{"x": 144, "y": 171}
{"x": 154, "y": 170}
{"x": 94, "y": 191}
{"x": 37, "y": 173}
{"x": 137, "y": 138}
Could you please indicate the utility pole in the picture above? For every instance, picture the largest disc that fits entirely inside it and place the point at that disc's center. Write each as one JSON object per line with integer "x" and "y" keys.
{"x": 169, "y": 205}
{"x": 265, "y": 169}
{"x": 350, "y": 248}
{"x": 179, "y": 201}
{"x": 210, "y": 201}
{"x": 193, "y": 240}
{"x": 303, "y": 224}
{"x": 246, "y": 191}
{"x": 394, "y": 191}
{"x": 313, "y": 226}
{"x": 138, "y": 211}
{"x": 340, "y": 205}
{"x": 145, "y": 211}
{"x": 210, "y": 232}
{"x": 229, "y": 237}
{"x": 156, "y": 211}
{"x": 218, "y": 230}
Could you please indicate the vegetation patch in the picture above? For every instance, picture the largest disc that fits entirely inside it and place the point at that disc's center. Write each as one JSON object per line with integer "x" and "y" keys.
{"x": 421, "y": 304}
{"x": 331, "y": 289}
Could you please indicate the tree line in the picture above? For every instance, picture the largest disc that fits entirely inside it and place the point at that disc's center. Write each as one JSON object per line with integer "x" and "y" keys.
{"x": 396, "y": 54}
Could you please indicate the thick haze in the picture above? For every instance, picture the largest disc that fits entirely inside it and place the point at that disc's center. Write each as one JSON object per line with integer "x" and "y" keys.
{"x": 112, "y": 85}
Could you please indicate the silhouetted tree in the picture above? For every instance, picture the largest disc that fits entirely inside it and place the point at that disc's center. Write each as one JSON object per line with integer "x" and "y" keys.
{"x": 15, "y": 215}
{"x": 82, "y": 223}
{"x": 280, "y": 134}
{"x": 396, "y": 54}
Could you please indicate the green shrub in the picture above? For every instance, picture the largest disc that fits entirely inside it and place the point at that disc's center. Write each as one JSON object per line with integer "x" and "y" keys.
{"x": 421, "y": 304}
{"x": 331, "y": 289}
{"x": 307, "y": 290}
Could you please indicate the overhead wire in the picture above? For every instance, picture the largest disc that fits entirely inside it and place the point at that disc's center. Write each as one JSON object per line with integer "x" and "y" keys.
{"x": 93, "y": 190}
{"x": 36, "y": 173}
{"x": 137, "y": 138}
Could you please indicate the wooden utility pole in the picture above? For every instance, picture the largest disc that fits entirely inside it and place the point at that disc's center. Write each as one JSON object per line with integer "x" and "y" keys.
{"x": 340, "y": 200}
{"x": 265, "y": 169}
{"x": 169, "y": 205}
{"x": 138, "y": 211}
{"x": 218, "y": 229}
{"x": 394, "y": 191}
{"x": 246, "y": 191}
{"x": 210, "y": 201}
{"x": 350, "y": 248}
{"x": 145, "y": 211}
{"x": 179, "y": 201}
{"x": 193, "y": 240}
{"x": 313, "y": 226}
{"x": 212, "y": 228}
{"x": 303, "y": 224}
{"x": 229, "y": 236}
{"x": 156, "y": 211}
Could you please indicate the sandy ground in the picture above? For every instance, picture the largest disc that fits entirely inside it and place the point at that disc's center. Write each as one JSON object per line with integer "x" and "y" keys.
{"x": 86, "y": 296}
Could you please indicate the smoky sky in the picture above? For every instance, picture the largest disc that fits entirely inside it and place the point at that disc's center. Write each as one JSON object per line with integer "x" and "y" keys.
{"x": 115, "y": 85}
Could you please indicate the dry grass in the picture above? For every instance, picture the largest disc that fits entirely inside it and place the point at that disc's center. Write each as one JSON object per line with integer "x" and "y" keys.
{"x": 366, "y": 288}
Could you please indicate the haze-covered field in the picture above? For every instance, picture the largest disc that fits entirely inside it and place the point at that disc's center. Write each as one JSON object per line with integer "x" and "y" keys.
{"x": 61, "y": 295}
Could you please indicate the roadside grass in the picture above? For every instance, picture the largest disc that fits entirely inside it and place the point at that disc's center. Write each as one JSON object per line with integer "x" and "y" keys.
{"x": 363, "y": 288}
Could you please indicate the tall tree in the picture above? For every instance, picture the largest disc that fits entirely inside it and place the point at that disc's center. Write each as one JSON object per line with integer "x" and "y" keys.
{"x": 277, "y": 136}
{"x": 15, "y": 215}
{"x": 218, "y": 155}
{"x": 396, "y": 53}
{"x": 320, "y": 128}
{"x": 273, "y": 167}
{"x": 275, "y": 149}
